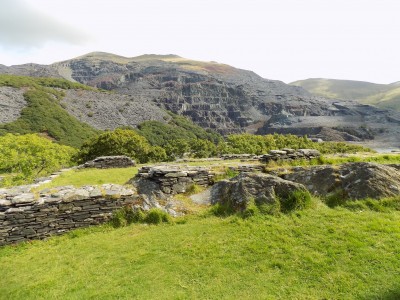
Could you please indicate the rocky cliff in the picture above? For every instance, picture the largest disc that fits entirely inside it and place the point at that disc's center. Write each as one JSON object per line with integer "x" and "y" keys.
{"x": 222, "y": 97}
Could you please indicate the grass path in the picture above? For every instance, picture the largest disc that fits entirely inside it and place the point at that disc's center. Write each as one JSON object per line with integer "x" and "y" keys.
{"x": 316, "y": 254}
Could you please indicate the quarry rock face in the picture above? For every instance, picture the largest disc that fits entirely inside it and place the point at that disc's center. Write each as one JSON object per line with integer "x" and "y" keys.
{"x": 354, "y": 180}
{"x": 11, "y": 103}
{"x": 237, "y": 192}
{"x": 213, "y": 95}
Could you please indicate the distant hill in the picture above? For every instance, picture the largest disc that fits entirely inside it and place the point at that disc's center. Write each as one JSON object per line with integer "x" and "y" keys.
{"x": 381, "y": 95}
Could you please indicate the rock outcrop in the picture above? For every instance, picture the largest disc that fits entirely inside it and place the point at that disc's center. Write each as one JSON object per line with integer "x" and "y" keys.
{"x": 106, "y": 162}
{"x": 353, "y": 180}
{"x": 11, "y": 103}
{"x": 238, "y": 192}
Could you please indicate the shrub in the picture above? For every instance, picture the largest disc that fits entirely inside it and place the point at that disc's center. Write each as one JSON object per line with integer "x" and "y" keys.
{"x": 29, "y": 156}
{"x": 117, "y": 142}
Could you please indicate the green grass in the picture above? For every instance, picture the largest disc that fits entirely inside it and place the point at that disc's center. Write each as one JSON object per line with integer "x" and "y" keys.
{"x": 316, "y": 254}
{"x": 82, "y": 177}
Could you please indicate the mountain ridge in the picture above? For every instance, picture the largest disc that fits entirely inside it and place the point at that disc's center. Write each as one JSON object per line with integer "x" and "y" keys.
{"x": 221, "y": 97}
{"x": 381, "y": 95}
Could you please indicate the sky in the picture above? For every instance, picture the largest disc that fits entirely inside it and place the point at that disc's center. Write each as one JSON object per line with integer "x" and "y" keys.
{"x": 286, "y": 40}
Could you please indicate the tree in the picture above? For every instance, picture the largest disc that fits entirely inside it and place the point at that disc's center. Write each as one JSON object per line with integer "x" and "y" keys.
{"x": 118, "y": 142}
{"x": 29, "y": 156}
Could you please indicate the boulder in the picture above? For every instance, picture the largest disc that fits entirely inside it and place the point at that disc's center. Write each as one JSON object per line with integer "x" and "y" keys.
{"x": 241, "y": 190}
{"x": 319, "y": 180}
{"x": 356, "y": 180}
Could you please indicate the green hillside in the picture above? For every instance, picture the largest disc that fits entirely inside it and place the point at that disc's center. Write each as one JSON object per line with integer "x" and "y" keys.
{"x": 381, "y": 95}
{"x": 43, "y": 113}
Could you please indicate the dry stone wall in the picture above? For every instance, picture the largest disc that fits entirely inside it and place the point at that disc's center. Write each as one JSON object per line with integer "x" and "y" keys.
{"x": 289, "y": 154}
{"x": 25, "y": 215}
{"x": 175, "y": 179}
{"x": 106, "y": 162}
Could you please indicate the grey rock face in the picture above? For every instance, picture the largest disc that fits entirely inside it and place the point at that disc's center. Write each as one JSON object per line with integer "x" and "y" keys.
{"x": 355, "y": 180}
{"x": 110, "y": 110}
{"x": 11, "y": 103}
{"x": 237, "y": 192}
{"x": 213, "y": 95}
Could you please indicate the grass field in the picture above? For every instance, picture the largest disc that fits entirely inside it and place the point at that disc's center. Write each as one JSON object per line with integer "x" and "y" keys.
{"x": 320, "y": 253}
{"x": 82, "y": 177}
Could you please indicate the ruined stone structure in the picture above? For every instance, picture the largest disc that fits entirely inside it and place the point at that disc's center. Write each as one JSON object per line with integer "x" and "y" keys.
{"x": 289, "y": 154}
{"x": 175, "y": 179}
{"x": 27, "y": 215}
{"x": 106, "y": 162}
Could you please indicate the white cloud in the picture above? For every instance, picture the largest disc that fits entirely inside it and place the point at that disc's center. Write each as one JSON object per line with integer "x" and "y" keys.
{"x": 22, "y": 27}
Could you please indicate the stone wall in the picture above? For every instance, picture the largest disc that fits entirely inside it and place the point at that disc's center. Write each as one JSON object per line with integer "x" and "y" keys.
{"x": 289, "y": 154}
{"x": 25, "y": 215}
{"x": 106, "y": 162}
{"x": 175, "y": 179}
{"x": 239, "y": 156}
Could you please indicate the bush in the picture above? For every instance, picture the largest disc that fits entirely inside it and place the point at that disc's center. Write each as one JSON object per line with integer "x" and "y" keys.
{"x": 29, "y": 156}
{"x": 119, "y": 142}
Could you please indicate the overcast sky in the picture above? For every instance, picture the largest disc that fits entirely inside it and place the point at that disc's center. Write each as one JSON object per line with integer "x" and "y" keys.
{"x": 278, "y": 39}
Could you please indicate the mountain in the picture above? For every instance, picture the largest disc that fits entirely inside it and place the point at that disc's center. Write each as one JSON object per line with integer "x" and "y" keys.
{"x": 213, "y": 95}
{"x": 380, "y": 95}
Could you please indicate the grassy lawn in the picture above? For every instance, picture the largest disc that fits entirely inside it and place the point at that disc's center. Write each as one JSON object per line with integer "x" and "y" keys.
{"x": 82, "y": 177}
{"x": 319, "y": 253}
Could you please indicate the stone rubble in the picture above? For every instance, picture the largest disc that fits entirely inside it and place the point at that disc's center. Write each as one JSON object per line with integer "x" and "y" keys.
{"x": 106, "y": 162}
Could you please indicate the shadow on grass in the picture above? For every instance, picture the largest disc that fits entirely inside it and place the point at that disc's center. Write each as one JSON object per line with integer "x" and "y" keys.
{"x": 393, "y": 294}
